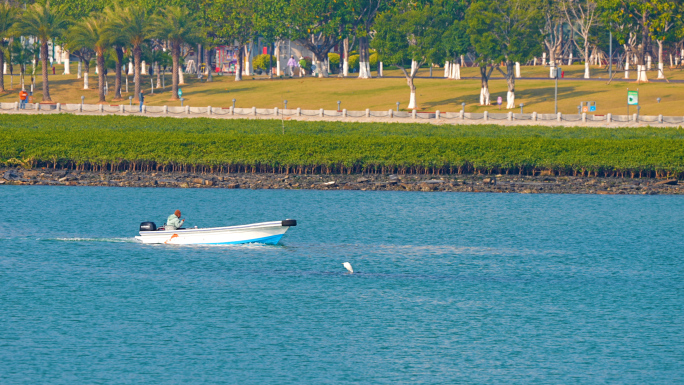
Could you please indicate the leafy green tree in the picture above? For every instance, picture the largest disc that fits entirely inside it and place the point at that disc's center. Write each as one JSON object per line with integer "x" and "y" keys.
{"x": 22, "y": 54}
{"x": 319, "y": 26}
{"x": 409, "y": 37}
{"x": 271, "y": 21}
{"x": 177, "y": 26}
{"x": 232, "y": 22}
{"x": 46, "y": 24}
{"x": 456, "y": 41}
{"x": 8, "y": 18}
{"x": 552, "y": 31}
{"x": 118, "y": 39}
{"x": 640, "y": 21}
{"x": 89, "y": 33}
{"x": 506, "y": 32}
{"x": 135, "y": 23}
{"x": 362, "y": 14}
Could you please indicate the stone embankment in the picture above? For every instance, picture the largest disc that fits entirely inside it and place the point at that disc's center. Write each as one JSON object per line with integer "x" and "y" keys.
{"x": 366, "y": 182}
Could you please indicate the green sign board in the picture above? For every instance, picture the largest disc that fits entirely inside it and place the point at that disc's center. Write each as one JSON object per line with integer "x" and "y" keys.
{"x": 180, "y": 93}
{"x": 633, "y": 98}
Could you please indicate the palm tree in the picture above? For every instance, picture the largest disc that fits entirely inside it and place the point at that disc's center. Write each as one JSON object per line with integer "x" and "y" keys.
{"x": 178, "y": 26}
{"x": 135, "y": 24}
{"x": 89, "y": 34}
{"x": 46, "y": 24}
{"x": 22, "y": 54}
{"x": 118, "y": 39}
{"x": 8, "y": 17}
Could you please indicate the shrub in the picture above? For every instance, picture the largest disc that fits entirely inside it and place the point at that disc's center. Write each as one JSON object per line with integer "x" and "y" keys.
{"x": 334, "y": 60}
{"x": 261, "y": 62}
{"x": 354, "y": 62}
{"x": 373, "y": 59}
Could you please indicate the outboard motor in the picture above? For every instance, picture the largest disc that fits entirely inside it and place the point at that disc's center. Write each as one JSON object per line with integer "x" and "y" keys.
{"x": 289, "y": 222}
{"x": 148, "y": 226}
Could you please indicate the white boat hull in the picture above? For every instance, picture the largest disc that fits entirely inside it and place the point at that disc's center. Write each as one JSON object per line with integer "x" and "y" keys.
{"x": 267, "y": 232}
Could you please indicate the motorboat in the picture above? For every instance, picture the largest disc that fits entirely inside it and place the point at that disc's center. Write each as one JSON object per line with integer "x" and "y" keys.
{"x": 268, "y": 233}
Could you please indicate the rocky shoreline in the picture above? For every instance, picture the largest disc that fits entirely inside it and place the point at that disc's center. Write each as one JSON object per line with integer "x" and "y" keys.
{"x": 367, "y": 182}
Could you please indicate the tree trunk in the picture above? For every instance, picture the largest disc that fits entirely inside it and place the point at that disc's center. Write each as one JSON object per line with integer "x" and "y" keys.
{"x": 158, "y": 69}
{"x": 276, "y": 53}
{"x": 661, "y": 66}
{"x": 586, "y": 59}
{"x": 117, "y": 71}
{"x": 44, "y": 60}
{"x": 86, "y": 72}
{"x": 484, "y": 90}
{"x": 209, "y": 71}
{"x": 240, "y": 60}
{"x": 175, "y": 58}
{"x": 101, "y": 77}
{"x": 322, "y": 68}
{"x": 552, "y": 62}
{"x": 412, "y": 99}
{"x": 2, "y": 65}
{"x": 364, "y": 58}
{"x": 270, "y": 61}
{"x": 137, "y": 52}
{"x": 510, "y": 81}
{"x": 345, "y": 65}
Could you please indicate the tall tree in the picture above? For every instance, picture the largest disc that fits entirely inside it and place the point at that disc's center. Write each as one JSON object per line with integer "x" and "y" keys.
{"x": 136, "y": 25}
{"x": 504, "y": 31}
{"x": 362, "y": 14}
{"x": 581, "y": 16}
{"x": 319, "y": 26}
{"x": 177, "y": 26}
{"x": 89, "y": 34}
{"x": 552, "y": 31}
{"x": 8, "y": 18}
{"x": 456, "y": 40}
{"x": 641, "y": 20}
{"x": 46, "y": 24}
{"x": 118, "y": 40}
{"x": 232, "y": 22}
{"x": 410, "y": 37}
{"x": 271, "y": 20}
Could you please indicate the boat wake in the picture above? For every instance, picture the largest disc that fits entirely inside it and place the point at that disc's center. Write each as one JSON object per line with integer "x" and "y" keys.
{"x": 78, "y": 239}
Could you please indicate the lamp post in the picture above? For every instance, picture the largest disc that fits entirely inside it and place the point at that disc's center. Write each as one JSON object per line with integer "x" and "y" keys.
{"x": 82, "y": 99}
{"x": 182, "y": 101}
{"x": 285, "y": 102}
{"x": 130, "y": 101}
{"x": 233, "y": 104}
{"x": 521, "y": 108}
{"x": 338, "y": 105}
{"x": 397, "y": 106}
{"x": 463, "y": 107}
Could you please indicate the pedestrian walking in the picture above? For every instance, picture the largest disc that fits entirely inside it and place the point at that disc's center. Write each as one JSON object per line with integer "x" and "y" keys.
{"x": 292, "y": 63}
{"x": 142, "y": 100}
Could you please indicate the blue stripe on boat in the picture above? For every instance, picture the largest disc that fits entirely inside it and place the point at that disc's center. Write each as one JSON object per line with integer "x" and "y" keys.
{"x": 272, "y": 240}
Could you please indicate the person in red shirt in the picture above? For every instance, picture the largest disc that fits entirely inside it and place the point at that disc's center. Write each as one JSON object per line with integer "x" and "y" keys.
{"x": 23, "y": 97}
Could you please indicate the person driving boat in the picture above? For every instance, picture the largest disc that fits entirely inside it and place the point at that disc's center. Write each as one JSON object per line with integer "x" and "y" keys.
{"x": 173, "y": 222}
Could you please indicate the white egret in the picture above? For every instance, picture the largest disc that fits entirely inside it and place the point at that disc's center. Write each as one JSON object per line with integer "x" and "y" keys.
{"x": 348, "y": 266}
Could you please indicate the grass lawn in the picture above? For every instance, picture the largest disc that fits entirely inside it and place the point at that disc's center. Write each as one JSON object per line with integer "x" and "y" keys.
{"x": 382, "y": 94}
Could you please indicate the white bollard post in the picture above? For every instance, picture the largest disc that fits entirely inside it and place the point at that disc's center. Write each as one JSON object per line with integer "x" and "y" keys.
{"x": 187, "y": 110}
{"x": 209, "y": 110}
{"x": 232, "y": 110}
{"x": 437, "y": 114}
{"x": 486, "y": 116}
{"x": 144, "y": 109}
{"x": 584, "y": 117}
{"x": 660, "y": 118}
{"x": 166, "y": 110}
{"x": 275, "y": 111}
{"x": 299, "y": 111}
{"x": 534, "y": 116}
{"x": 414, "y": 114}
{"x": 100, "y": 108}
{"x": 254, "y": 112}
{"x": 390, "y": 113}
{"x": 510, "y": 116}
{"x": 16, "y": 106}
{"x": 559, "y": 117}
{"x": 322, "y": 113}
{"x": 344, "y": 112}
{"x": 368, "y": 112}
{"x": 121, "y": 108}
{"x": 609, "y": 118}
{"x": 59, "y": 107}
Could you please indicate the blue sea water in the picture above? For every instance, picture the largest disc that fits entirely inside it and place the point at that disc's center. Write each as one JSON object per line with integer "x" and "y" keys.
{"x": 448, "y": 288}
